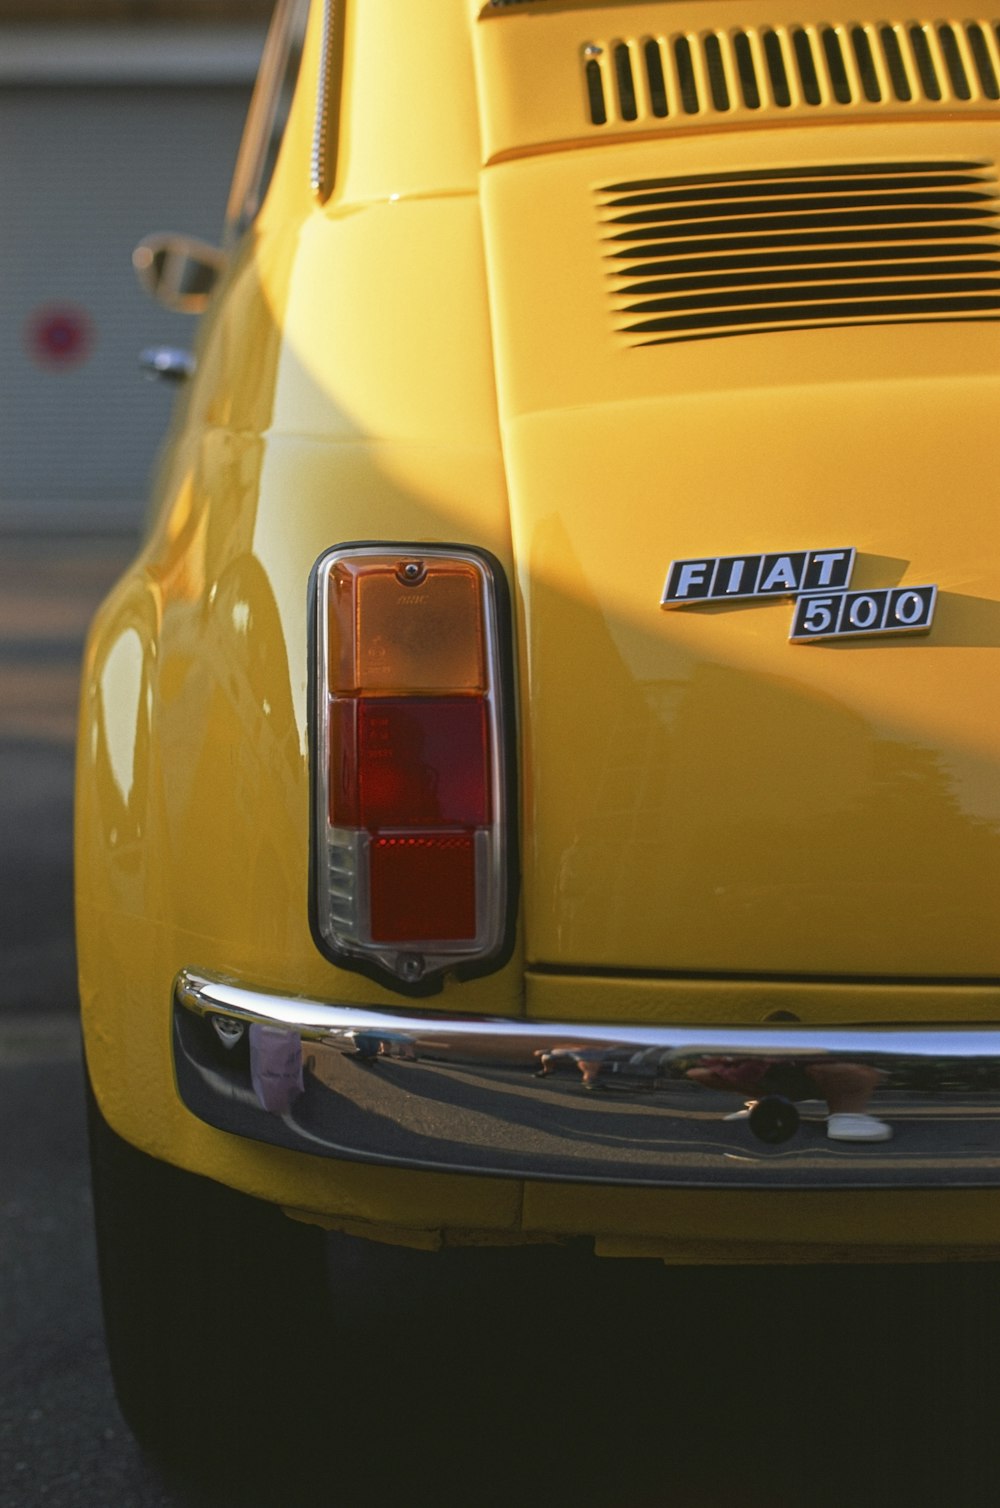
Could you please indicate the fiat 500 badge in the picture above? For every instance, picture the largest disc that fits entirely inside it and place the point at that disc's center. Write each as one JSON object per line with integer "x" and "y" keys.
{"x": 819, "y": 580}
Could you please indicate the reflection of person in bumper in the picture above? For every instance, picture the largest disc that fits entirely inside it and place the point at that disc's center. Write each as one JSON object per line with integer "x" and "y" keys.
{"x": 587, "y": 1060}
{"x": 846, "y": 1087}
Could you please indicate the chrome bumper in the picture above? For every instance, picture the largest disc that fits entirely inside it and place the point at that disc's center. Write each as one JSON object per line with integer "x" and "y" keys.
{"x": 593, "y": 1103}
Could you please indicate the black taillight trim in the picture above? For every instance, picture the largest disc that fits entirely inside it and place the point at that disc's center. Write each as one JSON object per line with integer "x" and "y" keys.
{"x": 506, "y": 704}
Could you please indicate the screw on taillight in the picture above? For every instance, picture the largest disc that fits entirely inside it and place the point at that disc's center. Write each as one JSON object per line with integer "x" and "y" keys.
{"x": 409, "y": 759}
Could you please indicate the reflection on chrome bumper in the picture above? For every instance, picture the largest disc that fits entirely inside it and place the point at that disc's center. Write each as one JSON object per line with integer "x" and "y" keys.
{"x": 643, "y": 1105}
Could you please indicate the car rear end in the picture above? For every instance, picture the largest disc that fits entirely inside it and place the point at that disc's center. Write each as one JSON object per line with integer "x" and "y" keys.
{"x": 570, "y": 639}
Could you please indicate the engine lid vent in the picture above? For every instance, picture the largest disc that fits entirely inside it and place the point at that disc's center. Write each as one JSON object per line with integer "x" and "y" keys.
{"x": 679, "y": 78}
{"x": 801, "y": 248}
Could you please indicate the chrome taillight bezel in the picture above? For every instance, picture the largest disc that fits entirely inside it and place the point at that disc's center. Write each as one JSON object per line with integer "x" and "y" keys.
{"x": 339, "y": 909}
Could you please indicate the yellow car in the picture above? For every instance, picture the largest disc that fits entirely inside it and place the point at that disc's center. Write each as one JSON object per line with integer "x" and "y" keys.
{"x": 539, "y": 777}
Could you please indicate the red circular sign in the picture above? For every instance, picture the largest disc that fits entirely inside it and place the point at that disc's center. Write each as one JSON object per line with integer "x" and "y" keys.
{"x": 59, "y": 335}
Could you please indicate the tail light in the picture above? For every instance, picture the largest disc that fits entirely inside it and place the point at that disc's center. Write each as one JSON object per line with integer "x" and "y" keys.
{"x": 410, "y": 777}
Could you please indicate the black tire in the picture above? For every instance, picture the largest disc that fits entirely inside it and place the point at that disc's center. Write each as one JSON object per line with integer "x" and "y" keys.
{"x": 215, "y": 1312}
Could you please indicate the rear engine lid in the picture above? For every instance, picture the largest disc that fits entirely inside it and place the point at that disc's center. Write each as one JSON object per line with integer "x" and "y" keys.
{"x": 704, "y": 795}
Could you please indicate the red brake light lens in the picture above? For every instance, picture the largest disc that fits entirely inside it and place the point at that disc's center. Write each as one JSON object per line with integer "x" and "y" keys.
{"x": 410, "y": 762}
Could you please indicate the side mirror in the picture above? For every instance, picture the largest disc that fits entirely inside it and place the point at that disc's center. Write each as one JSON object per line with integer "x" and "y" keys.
{"x": 177, "y": 270}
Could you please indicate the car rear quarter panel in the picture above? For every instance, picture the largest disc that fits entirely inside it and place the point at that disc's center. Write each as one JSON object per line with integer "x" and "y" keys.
{"x": 344, "y": 392}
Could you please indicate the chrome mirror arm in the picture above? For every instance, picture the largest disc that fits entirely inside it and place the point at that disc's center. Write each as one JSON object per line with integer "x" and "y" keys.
{"x": 167, "y": 362}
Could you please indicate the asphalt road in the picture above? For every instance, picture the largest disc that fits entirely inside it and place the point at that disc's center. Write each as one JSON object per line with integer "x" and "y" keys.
{"x": 49, "y": 589}
{"x": 471, "y": 1378}
{"x": 62, "y": 1441}
{"x": 506, "y": 1378}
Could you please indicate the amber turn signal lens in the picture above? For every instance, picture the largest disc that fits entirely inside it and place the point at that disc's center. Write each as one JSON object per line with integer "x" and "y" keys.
{"x": 406, "y": 624}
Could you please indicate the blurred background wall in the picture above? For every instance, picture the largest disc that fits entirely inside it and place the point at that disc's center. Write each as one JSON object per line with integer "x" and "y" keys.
{"x": 118, "y": 118}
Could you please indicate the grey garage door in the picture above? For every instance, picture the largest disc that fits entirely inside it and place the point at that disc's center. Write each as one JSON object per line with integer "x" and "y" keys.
{"x": 85, "y": 172}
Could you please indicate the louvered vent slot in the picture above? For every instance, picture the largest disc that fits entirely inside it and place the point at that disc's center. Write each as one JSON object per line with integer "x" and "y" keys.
{"x": 595, "y": 92}
{"x": 657, "y": 83}
{"x": 747, "y": 70}
{"x": 865, "y": 59}
{"x": 800, "y": 248}
{"x": 626, "y": 83}
{"x": 684, "y": 76}
{"x": 983, "y": 62}
{"x": 836, "y": 66}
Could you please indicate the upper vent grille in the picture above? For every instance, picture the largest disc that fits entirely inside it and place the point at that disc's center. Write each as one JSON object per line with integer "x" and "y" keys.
{"x": 682, "y": 77}
{"x": 799, "y": 248}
